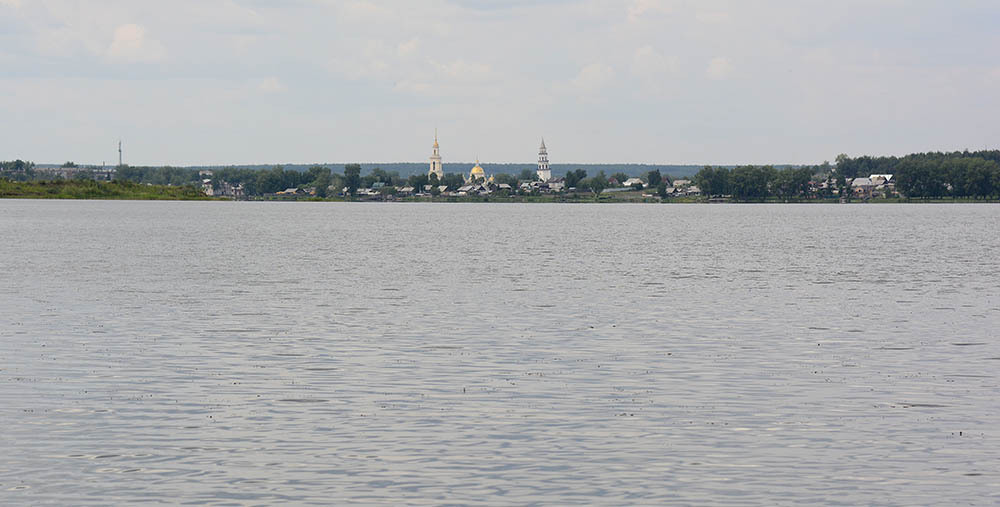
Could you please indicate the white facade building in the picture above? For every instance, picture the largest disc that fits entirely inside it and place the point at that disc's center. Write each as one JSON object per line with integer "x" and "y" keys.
{"x": 544, "y": 173}
{"x": 436, "y": 167}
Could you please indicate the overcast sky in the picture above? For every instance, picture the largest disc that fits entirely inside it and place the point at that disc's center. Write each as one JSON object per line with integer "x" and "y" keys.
{"x": 659, "y": 81}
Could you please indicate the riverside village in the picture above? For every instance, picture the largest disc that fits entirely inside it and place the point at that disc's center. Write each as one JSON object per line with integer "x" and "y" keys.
{"x": 964, "y": 175}
{"x": 479, "y": 182}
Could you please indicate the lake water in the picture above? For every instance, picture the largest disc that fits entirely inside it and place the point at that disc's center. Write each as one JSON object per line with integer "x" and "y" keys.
{"x": 318, "y": 353}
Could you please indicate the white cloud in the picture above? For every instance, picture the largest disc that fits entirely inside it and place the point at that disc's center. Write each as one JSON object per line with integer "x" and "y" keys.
{"x": 593, "y": 77}
{"x": 639, "y": 9}
{"x": 271, "y": 85}
{"x": 466, "y": 71}
{"x": 408, "y": 47}
{"x": 719, "y": 67}
{"x": 130, "y": 45}
{"x": 362, "y": 9}
{"x": 649, "y": 63}
{"x": 713, "y": 16}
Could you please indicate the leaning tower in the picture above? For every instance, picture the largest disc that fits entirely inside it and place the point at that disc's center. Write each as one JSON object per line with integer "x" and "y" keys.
{"x": 544, "y": 173}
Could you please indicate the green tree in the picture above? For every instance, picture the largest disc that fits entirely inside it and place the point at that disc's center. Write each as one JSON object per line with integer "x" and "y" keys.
{"x": 573, "y": 178}
{"x": 322, "y": 184}
{"x": 352, "y": 178}
{"x": 418, "y": 181}
{"x": 527, "y": 175}
{"x": 504, "y": 178}
{"x": 314, "y": 172}
{"x": 792, "y": 182}
{"x": 661, "y": 189}
{"x": 620, "y": 177}
{"x": 713, "y": 180}
{"x": 598, "y": 183}
{"x": 654, "y": 178}
{"x": 751, "y": 182}
{"x": 387, "y": 191}
{"x": 453, "y": 181}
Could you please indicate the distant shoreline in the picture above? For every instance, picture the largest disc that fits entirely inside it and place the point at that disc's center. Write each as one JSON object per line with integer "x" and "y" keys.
{"x": 127, "y": 190}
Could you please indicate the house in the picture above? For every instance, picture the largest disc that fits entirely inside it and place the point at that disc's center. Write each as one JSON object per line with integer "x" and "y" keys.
{"x": 862, "y": 186}
{"x": 881, "y": 179}
{"x": 682, "y": 183}
{"x": 629, "y": 183}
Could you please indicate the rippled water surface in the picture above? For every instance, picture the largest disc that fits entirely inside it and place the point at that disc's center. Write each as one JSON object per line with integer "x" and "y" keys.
{"x": 259, "y": 353}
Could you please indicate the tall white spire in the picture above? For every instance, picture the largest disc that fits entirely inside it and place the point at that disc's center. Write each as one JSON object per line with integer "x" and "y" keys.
{"x": 544, "y": 173}
{"x": 436, "y": 167}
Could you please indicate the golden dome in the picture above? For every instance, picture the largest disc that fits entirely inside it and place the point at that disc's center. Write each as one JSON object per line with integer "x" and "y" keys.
{"x": 477, "y": 172}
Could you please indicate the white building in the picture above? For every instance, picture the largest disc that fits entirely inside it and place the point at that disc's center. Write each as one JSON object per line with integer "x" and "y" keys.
{"x": 544, "y": 173}
{"x": 436, "y": 160}
{"x": 633, "y": 181}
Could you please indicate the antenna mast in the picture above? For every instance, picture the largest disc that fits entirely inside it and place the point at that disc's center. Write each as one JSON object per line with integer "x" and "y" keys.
{"x": 119, "y": 153}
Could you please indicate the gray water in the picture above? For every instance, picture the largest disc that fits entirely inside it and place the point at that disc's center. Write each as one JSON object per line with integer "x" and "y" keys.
{"x": 262, "y": 353}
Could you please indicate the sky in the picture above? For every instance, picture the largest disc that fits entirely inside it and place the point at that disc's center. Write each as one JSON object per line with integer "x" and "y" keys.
{"x": 214, "y": 82}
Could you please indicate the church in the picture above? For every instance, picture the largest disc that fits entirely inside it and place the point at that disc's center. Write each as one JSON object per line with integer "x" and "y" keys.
{"x": 477, "y": 173}
{"x": 544, "y": 172}
{"x": 436, "y": 167}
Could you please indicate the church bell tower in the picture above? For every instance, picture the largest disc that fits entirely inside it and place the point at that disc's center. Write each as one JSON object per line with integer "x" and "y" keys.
{"x": 544, "y": 173}
{"x": 436, "y": 160}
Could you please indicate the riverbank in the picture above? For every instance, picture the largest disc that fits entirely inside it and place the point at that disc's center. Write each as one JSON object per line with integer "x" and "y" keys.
{"x": 626, "y": 198}
{"x": 125, "y": 190}
{"x": 89, "y": 189}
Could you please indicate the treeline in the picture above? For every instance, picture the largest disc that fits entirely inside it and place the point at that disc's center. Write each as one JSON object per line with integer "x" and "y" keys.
{"x": 962, "y": 174}
{"x": 17, "y": 170}
{"x": 966, "y": 174}
{"x": 177, "y": 176}
{"x": 748, "y": 183}
{"x": 90, "y": 189}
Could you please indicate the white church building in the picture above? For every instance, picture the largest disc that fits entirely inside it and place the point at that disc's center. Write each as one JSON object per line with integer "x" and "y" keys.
{"x": 544, "y": 173}
{"x": 436, "y": 167}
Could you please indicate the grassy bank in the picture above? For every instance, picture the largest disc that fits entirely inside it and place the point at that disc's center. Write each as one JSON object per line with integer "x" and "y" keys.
{"x": 88, "y": 189}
